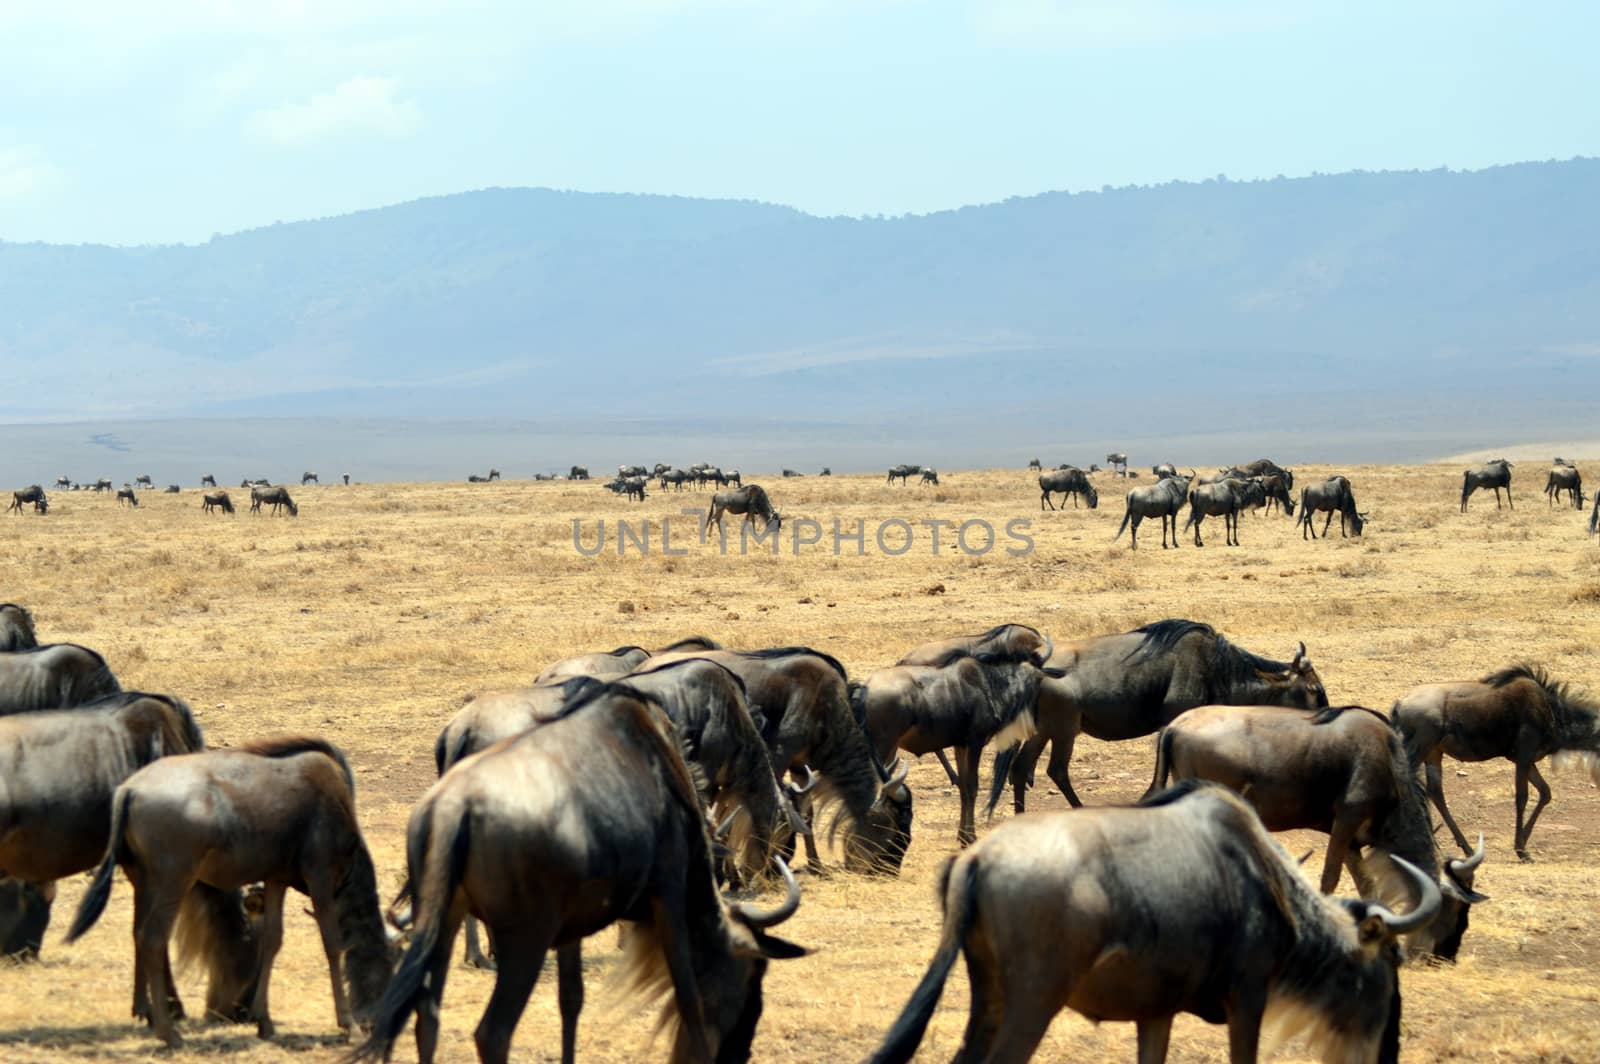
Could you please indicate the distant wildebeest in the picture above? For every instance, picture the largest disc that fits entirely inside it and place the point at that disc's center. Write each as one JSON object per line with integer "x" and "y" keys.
{"x": 347, "y": 480}
{"x": 1069, "y": 481}
{"x": 1182, "y": 904}
{"x": 1034, "y": 463}
{"x": 963, "y": 701}
{"x": 602, "y": 665}
{"x": 125, "y": 495}
{"x": 826, "y": 472}
{"x": 1331, "y": 496}
{"x": 1163, "y": 470}
{"x": 1564, "y": 478}
{"x": 16, "y": 628}
{"x": 260, "y": 482}
{"x": 787, "y": 473}
{"x": 930, "y": 476}
{"x": 1342, "y": 771}
{"x": 801, "y": 698}
{"x": 1162, "y": 499}
{"x": 734, "y": 477}
{"x": 172, "y": 489}
{"x": 1118, "y": 462}
{"x": 103, "y": 485}
{"x": 208, "y": 481}
{"x": 60, "y": 767}
{"x": 309, "y": 477}
{"x": 32, "y": 494}
{"x": 1133, "y": 683}
{"x": 626, "y": 471}
{"x": 660, "y": 468}
{"x": 904, "y": 473}
{"x": 1276, "y": 491}
{"x": 1222, "y": 499}
{"x": 750, "y": 500}
{"x": 1495, "y": 474}
{"x": 1266, "y": 467}
{"x": 143, "y": 481}
{"x": 578, "y": 472}
{"x": 675, "y": 478}
{"x": 63, "y": 482}
{"x": 53, "y": 676}
{"x": 613, "y": 831}
{"x": 212, "y": 501}
{"x": 276, "y": 811}
{"x": 277, "y": 498}
{"x": 633, "y": 488}
{"x": 1519, "y": 714}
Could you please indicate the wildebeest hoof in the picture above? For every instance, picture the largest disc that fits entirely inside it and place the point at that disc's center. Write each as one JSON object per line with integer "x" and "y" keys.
{"x": 265, "y": 1029}
{"x": 483, "y": 964}
{"x": 817, "y": 869}
{"x": 173, "y": 1039}
{"x": 1525, "y": 857}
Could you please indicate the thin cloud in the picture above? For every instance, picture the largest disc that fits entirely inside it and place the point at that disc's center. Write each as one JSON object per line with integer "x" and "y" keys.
{"x": 24, "y": 173}
{"x": 358, "y": 106}
{"x": 849, "y": 352}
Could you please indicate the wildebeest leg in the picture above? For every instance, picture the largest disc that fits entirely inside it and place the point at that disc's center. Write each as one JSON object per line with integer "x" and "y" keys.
{"x": 522, "y": 955}
{"x": 271, "y": 941}
{"x": 475, "y": 957}
{"x": 26, "y": 917}
{"x": 1060, "y": 762}
{"x": 955, "y": 781}
{"x": 152, "y": 929}
{"x": 569, "y": 969}
{"x": 323, "y": 908}
{"x": 1508, "y": 497}
{"x": 1195, "y": 518}
{"x": 1133, "y": 531}
{"x": 1153, "y": 1038}
{"x": 666, "y": 910}
{"x": 967, "y": 758}
{"x": 1022, "y": 1027}
{"x": 1339, "y": 840}
{"x": 1328, "y": 522}
{"x": 1244, "y": 1028}
{"x": 1044, "y": 497}
{"x": 439, "y": 968}
{"x": 1021, "y": 770}
{"x": 1434, "y": 775}
{"x": 1525, "y": 830}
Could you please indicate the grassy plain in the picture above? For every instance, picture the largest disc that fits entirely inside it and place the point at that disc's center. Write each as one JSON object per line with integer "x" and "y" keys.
{"x": 372, "y": 617}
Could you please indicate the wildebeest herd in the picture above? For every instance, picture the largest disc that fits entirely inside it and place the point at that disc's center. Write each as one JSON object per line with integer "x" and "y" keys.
{"x": 639, "y": 787}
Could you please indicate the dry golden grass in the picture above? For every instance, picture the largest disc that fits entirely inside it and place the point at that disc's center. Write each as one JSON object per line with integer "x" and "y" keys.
{"x": 370, "y": 618}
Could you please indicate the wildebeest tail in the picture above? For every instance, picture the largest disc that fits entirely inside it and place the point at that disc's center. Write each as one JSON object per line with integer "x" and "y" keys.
{"x": 99, "y": 892}
{"x": 443, "y": 861}
{"x": 960, "y": 913}
{"x": 1002, "y": 772}
{"x": 1127, "y": 515}
{"x": 1163, "y": 762}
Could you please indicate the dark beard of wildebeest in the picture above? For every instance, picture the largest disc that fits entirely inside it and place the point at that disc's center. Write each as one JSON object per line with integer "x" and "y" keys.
{"x": 801, "y": 699}
{"x": 904, "y": 472}
{"x": 961, "y": 700}
{"x": 1124, "y": 686}
{"x": 1342, "y": 771}
{"x": 1225, "y": 499}
{"x": 1072, "y": 482}
{"x": 602, "y": 665}
{"x": 54, "y": 676}
{"x": 279, "y": 811}
{"x": 16, "y": 628}
{"x": 126, "y": 495}
{"x": 750, "y": 500}
{"x": 1495, "y": 474}
{"x": 1330, "y": 497}
{"x": 1162, "y": 499}
{"x": 1564, "y": 478}
{"x": 60, "y": 767}
{"x": 613, "y": 832}
{"x": 1519, "y": 714}
{"x": 1063, "y": 908}
{"x": 32, "y": 494}
{"x": 213, "y": 501}
{"x": 277, "y": 498}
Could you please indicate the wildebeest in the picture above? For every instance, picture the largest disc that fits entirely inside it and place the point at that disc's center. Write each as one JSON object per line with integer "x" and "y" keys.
{"x": 1564, "y": 478}
{"x": 60, "y": 767}
{"x": 308, "y": 477}
{"x": 929, "y": 476}
{"x": 788, "y": 473}
{"x": 1135, "y": 914}
{"x": 53, "y": 676}
{"x": 212, "y": 501}
{"x": 172, "y": 489}
{"x": 1163, "y": 470}
{"x": 1070, "y": 481}
{"x": 734, "y": 477}
{"x": 1495, "y": 474}
{"x": 1342, "y": 771}
{"x": 1132, "y": 684}
{"x": 277, "y": 498}
{"x": 613, "y": 831}
{"x": 626, "y": 471}
{"x": 750, "y": 500}
{"x": 1162, "y": 499}
{"x": 1034, "y": 463}
{"x": 276, "y": 811}
{"x": 962, "y": 700}
{"x": 1330, "y": 497}
{"x": 1224, "y": 498}
{"x": 125, "y": 495}
{"x": 904, "y": 472}
{"x": 1276, "y": 491}
{"x": 143, "y": 481}
{"x": 1266, "y": 467}
{"x": 102, "y": 485}
{"x": 208, "y": 481}
{"x": 16, "y": 628}
{"x": 675, "y": 478}
{"x": 1518, "y": 713}
{"x": 826, "y": 472}
{"x": 802, "y": 701}
{"x": 34, "y": 494}
{"x": 1118, "y": 463}
{"x": 602, "y": 665}
{"x": 578, "y": 472}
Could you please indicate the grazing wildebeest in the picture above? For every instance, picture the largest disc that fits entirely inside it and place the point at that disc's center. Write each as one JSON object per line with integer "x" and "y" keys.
{"x": 578, "y": 472}
{"x": 602, "y": 665}
{"x": 278, "y": 811}
{"x": 31, "y": 494}
{"x": 750, "y": 500}
{"x": 1342, "y": 771}
{"x": 208, "y": 481}
{"x": 1118, "y": 463}
{"x": 102, "y": 485}
{"x": 1224, "y": 499}
{"x": 60, "y": 767}
{"x": 801, "y": 699}
{"x": 277, "y": 498}
{"x": 16, "y": 628}
{"x": 1164, "y": 470}
{"x": 143, "y": 481}
{"x": 929, "y": 476}
{"x": 904, "y": 472}
{"x": 633, "y": 488}
{"x": 63, "y": 482}
{"x": 1276, "y": 492}
{"x": 613, "y": 831}
{"x": 212, "y": 501}
{"x": 1034, "y": 463}
{"x": 125, "y": 495}
{"x": 53, "y": 676}
{"x": 1518, "y": 713}
{"x": 787, "y": 473}
{"x": 172, "y": 489}
{"x": 1331, "y": 496}
{"x": 1564, "y": 478}
{"x": 1135, "y": 914}
{"x": 1069, "y": 481}
{"x": 1132, "y": 684}
{"x": 1162, "y": 499}
{"x": 962, "y": 700}
{"x": 308, "y": 477}
{"x": 1495, "y": 474}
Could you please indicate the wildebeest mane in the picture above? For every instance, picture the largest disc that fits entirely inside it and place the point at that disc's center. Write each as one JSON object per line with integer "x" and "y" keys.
{"x": 1333, "y": 713}
{"x": 649, "y": 670}
{"x": 1571, "y": 715}
{"x": 285, "y": 746}
{"x": 693, "y": 642}
{"x": 999, "y": 629}
{"x": 188, "y": 739}
{"x": 1161, "y": 636}
{"x": 617, "y": 653}
{"x": 1178, "y": 790}
{"x": 784, "y": 652}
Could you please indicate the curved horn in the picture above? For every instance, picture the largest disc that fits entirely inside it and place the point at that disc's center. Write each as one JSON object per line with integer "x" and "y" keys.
{"x": 901, "y": 769}
{"x": 726, "y": 825}
{"x": 759, "y": 919}
{"x": 811, "y": 782}
{"x": 1427, "y": 904}
{"x": 1462, "y": 867}
{"x": 1048, "y": 650}
{"x": 1300, "y": 654}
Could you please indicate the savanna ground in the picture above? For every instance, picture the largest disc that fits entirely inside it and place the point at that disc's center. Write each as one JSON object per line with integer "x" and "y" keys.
{"x": 371, "y": 618}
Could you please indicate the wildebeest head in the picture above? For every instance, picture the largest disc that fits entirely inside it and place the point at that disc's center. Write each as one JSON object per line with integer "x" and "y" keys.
{"x": 1093, "y": 497}
{"x": 16, "y": 628}
{"x": 1298, "y": 685}
{"x": 878, "y": 846}
{"x": 1459, "y": 897}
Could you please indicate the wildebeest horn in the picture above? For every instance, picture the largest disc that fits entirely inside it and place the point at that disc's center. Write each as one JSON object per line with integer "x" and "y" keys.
{"x": 1306, "y": 856}
{"x": 1427, "y": 903}
{"x": 1462, "y": 867}
{"x": 726, "y": 825}
{"x": 901, "y": 769}
{"x": 758, "y": 919}
{"x": 1299, "y": 656}
{"x": 811, "y": 781}
{"x": 1048, "y": 649}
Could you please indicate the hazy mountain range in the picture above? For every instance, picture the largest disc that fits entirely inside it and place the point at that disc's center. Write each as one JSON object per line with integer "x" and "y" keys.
{"x": 1373, "y": 313}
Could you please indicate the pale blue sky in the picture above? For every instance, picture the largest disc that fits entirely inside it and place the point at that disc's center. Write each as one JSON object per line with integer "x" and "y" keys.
{"x": 169, "y": 120}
